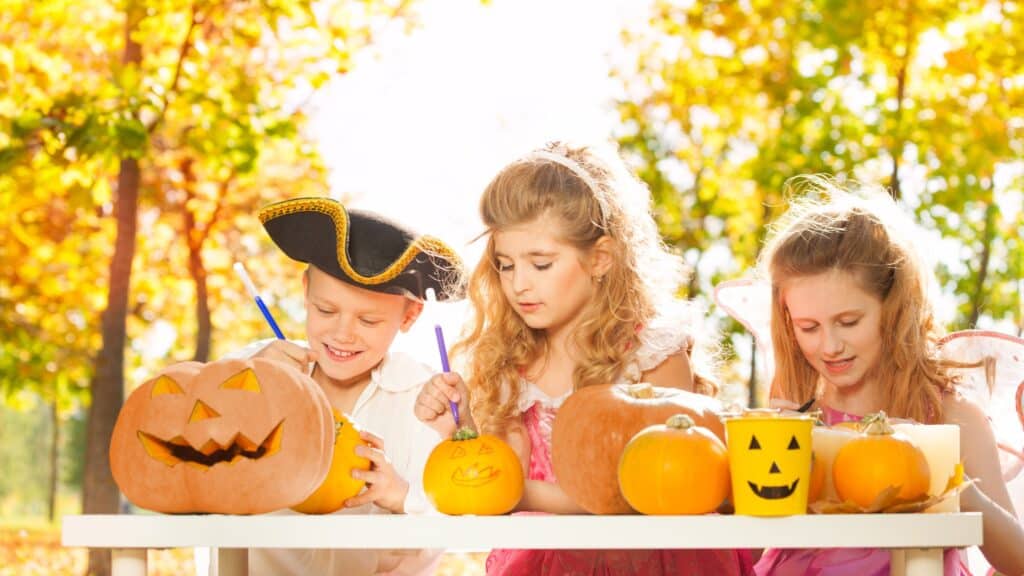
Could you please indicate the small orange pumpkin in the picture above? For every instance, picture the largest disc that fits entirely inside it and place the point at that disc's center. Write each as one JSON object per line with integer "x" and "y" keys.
{"x": 339, "y": 484}
{"x": 473, "y": 474}
{"x": 877, "y": 459}
{"x": 229, "y": 437}
{"x": 594, "y": 425}
{"x": 675, "y": 468}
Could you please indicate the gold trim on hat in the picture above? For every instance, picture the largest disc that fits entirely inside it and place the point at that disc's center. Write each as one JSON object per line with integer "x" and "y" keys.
{"x": 428, "y": 245}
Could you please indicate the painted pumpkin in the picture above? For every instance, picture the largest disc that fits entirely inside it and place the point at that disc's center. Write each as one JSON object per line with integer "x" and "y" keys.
{"x": 229, "y": 437}
{"x": 877, "y": 459}
{"x": 339, "y": 484}
{"x": 473, "y": 474}
{"x": 594, "y": 425}
{"x": 674, "y": 468}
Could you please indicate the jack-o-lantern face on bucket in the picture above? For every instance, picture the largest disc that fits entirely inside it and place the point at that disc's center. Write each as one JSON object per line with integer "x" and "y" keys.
{"x": 472, "y": 474}
{"x": 234, "y": 436}
{"x": 775, "y": 484}
{"x": 770, "y": 463}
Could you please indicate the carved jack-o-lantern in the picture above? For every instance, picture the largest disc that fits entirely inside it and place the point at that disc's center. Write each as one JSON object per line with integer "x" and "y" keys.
{"x": 232, "y": 437}
{"x": 471, "y": 474}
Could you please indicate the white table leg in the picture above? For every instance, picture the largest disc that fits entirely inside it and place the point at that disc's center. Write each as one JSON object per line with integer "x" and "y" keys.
{"x": 128, "y": 562}
{"x": 917, "y": 562}
{"x": 229, "y": 562}
{"x": 897, "y": 563}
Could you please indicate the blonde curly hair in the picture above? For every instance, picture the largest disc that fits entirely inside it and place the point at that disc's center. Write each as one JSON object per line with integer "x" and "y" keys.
{"x": 861, "y": 231}
{"x": 592, "y": 195}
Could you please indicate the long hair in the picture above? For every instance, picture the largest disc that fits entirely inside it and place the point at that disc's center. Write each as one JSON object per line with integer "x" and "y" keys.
{"x": 590, "y": 196}
{"x": 867, "y": 236}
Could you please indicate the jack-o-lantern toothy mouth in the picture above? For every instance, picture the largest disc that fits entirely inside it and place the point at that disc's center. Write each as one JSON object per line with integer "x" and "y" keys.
{"x": 473, "y": 476}
{"x": 177, "y": 450}
{"x": 773, "y": 492}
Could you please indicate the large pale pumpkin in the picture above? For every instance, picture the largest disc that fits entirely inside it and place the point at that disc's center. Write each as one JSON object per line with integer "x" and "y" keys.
{"x": 339, "y": 484}
{"x": 473, "y": 474}
{"x": 595, "y": 424}
{"x": 877, "y": 459}
{"x": 675, "y": 468}
{"x": 230, "y": 437}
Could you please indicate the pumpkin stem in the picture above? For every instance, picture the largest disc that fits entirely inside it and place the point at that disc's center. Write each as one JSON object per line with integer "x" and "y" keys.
{"x": 876, "y": 424}
{"x": 642, "y": 390}
{"x": 464, "y": 433}
{"x": 680, "y": 422}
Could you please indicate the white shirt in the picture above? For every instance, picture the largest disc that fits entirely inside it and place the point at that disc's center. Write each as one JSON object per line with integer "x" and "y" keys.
{"x": 384, "y": 408}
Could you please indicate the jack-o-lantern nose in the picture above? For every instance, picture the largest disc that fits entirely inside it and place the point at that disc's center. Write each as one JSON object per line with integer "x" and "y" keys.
{"x": 201, "y": 412}
{"x": 774, "y": 469}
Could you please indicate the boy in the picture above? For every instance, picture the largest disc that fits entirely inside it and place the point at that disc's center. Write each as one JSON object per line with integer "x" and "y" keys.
{"x": 366, "y": 280}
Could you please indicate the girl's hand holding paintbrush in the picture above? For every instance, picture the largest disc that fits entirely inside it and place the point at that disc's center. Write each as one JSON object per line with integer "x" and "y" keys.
{"x": 445, "y": 393}
{"x": 433, "y": 405}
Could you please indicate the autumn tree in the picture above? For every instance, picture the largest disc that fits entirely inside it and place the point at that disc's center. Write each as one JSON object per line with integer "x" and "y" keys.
{"x": 723, "y": 102}
{"x": 181, "y": 117}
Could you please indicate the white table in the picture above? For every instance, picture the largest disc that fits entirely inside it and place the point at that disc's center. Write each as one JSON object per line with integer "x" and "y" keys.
{"x": 917, "y": 539}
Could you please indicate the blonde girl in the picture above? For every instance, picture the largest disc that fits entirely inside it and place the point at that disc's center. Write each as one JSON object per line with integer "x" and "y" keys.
{"x": 574, "y": 289}
{"x": 853, "y": 328}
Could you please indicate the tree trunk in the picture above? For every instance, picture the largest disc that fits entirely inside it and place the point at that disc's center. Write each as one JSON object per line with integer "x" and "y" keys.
{"x": 987, "y": 236}
{"x": 197, "y": 270}
{"x": 752, "y": 383}
{"x": 51, "y": 505}
{"x": 99, "y": 493}
{"x": 901, "y": 93}
{"x": 194, "y": 239}
{"x": 897, "y": 149}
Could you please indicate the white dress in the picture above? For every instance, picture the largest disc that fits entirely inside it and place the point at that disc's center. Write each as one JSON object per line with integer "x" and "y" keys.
{"x": 385, "y": 408}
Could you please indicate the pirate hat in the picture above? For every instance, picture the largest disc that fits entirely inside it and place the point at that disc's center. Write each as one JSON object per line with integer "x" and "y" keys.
{"x": 363, "y": 249}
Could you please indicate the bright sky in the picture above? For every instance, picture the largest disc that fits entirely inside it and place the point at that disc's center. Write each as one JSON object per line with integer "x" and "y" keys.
{"x": 417, "y": 132}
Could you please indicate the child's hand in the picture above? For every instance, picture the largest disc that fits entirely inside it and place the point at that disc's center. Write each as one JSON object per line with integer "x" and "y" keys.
{"x": 433, "y": 403}
{"x": 290, "y": 353}
{"x": 385, "y": 487}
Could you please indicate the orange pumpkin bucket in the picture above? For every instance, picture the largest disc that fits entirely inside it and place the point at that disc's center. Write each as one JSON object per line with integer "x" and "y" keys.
{"x": 770, "y": 462}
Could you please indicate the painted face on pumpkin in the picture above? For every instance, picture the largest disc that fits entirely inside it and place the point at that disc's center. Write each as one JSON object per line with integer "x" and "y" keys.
{"x": 473, "y": 470}
{"x": 473, "y": 475}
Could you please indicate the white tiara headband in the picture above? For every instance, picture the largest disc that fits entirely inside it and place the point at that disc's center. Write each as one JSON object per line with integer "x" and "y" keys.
{"x": 559, "y": 155}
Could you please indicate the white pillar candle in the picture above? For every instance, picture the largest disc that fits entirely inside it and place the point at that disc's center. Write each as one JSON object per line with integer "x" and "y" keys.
{"x": 941, "y": 446}
{"x": 826, "y": 443}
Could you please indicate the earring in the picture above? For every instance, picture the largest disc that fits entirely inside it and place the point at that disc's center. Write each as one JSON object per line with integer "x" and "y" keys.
{"x": 599, "y": 279}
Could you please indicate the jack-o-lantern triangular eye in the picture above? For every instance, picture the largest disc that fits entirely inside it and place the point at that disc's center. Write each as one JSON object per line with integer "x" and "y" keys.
{"x": 485, "y": 449}
{"x": 754, "y": 444}
{"x": 201, "y": 411}
{"x": 244, "y": 380}
{"x": 793, "y": 444}
{"x": 164, "y": 385}
{"x": 459, "y": 452}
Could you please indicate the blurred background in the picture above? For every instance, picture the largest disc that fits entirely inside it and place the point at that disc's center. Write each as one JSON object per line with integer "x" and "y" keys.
{"x": 138, "y": 138}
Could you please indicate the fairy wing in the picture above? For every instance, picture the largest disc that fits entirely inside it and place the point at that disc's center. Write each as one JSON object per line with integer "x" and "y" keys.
{"x": 749, "y": 302}
{"x": 993, "y": 376}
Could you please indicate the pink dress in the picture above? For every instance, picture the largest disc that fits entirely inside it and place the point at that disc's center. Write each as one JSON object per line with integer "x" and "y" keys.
{"x": 538, "y": 417}
{"x": 841, "y": 561}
